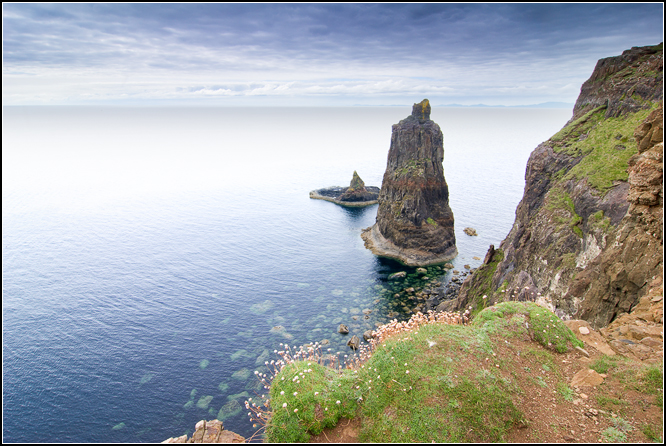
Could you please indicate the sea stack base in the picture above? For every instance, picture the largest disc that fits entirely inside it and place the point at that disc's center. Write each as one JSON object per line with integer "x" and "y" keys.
{"x": 381, "y": 246}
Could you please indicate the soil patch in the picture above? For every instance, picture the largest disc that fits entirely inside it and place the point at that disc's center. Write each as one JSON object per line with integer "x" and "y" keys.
{"x": 346, "y": 431}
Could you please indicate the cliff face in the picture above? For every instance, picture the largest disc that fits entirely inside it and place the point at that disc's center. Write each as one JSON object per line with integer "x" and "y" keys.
{"x": 587, "y": 238}
{"x": 623, "y": 83}
{"x": 414, "y": 221}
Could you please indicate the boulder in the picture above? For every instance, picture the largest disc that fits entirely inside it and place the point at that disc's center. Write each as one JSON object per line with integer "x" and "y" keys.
{"x": 470, "y": 231}
{"x": 586, "y": 377}
{"x": 209, "y": 432}
{"x": 343, "y": 329}
{"x": 354, "y": 343}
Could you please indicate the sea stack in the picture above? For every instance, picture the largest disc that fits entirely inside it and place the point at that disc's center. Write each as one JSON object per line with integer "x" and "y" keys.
{"x": 356, "y": 192}
{"x": 414, "y": 221}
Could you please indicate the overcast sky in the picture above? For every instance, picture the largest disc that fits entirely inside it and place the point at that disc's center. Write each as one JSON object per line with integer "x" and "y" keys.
{"x": 313, "y": 54}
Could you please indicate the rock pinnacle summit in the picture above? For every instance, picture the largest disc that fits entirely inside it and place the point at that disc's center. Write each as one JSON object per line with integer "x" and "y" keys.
{"x": 414, "y": 221}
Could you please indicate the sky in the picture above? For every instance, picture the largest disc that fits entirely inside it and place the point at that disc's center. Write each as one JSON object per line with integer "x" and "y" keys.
{"x": 301, "y": 54}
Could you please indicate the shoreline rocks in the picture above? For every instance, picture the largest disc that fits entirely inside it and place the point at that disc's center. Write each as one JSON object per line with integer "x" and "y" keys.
{"x": 414, "y": 222}
{"x": 208, "y": 432}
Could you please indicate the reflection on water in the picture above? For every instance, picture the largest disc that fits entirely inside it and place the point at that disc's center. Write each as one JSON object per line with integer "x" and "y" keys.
{"x": 355, "y": 213}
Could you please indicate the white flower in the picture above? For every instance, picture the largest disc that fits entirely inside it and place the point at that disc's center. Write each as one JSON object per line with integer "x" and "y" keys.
{"x": 284, "y": 404}
{"x": 295, "y": 410}
{"x": 316, "y": 393}
{"x": 337, "y": 402}
{"x": 282, "y": 392}
{"x": 295, "y": 393}
{"x": 406, "y": 371}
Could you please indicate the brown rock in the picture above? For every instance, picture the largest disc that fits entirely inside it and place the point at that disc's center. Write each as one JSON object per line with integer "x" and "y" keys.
{"x": 586, "y": 377}
{"x": 414, "y": 221}
{"x": 209, "y": 432}
{"x": 356, "y": 192}
{"x": 652, "y": 343}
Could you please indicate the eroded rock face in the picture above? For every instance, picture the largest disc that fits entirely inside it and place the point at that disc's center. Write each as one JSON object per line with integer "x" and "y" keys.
{"x": 414, "y": 221}
{"x": 587, "y": 238}
{"x": 634, "y": 72}
{"x": 615, "y": 280}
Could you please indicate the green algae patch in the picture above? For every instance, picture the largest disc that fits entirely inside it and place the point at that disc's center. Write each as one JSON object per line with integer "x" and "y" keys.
{"x": 231, "y": 409}
{"x": 204, "y": 402}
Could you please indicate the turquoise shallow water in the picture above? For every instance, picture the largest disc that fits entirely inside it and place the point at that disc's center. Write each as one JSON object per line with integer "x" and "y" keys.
{"x": 148, "y": 254}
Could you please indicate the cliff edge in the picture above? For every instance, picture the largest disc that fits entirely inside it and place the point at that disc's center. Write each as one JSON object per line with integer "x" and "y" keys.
{"x": 587, "y": 239}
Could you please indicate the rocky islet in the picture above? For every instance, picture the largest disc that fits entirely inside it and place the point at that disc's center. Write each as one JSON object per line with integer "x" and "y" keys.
{"x": 356, "y": 195}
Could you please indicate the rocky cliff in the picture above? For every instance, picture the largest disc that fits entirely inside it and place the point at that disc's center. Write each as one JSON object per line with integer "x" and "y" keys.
{"x": 414, "y": 221}
{"x": 587, "y": 240}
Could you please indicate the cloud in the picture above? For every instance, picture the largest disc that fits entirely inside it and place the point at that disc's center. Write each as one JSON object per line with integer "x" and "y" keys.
{"x": 70, "y": 52}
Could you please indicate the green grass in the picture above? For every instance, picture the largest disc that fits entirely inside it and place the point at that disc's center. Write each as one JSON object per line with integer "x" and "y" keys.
{"x": 430, "y": 384}
{"x": 606, "y": 363}
{"x": 613, "y": 435}
{"x": 610, "y": 403}
{"x": 597, "y": 140}
{"x": 482, "y": 283}
{"x": 652, "y": 433}
{"x": 565, "y": 391}
{"x": 559, "y": 201}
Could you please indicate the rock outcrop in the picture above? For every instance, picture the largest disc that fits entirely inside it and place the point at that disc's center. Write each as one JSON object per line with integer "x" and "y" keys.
{"x": 623, "y": 83}
{"x": 208, "y": 432}
{"x": 587, "y": 239}
{"x": 357, "y": 194}
{"x": 414, "y": 222}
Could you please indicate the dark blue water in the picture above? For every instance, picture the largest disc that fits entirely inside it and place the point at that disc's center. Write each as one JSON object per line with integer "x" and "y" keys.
{"x": 148, "y": 254}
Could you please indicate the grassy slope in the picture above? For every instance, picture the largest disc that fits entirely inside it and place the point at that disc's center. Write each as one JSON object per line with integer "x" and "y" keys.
{"x": 453, "y": 383}
{"x": 443, "y": 383}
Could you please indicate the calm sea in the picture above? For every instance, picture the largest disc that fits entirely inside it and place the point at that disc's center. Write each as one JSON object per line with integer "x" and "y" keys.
{"x": 148, "y": 253}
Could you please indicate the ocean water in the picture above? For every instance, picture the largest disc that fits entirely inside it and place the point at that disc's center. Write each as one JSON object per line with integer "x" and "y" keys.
{"x": 148, "y": 254}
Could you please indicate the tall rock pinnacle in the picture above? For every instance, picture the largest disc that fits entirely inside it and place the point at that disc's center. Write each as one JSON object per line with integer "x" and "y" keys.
{"x": 414, "y": 221}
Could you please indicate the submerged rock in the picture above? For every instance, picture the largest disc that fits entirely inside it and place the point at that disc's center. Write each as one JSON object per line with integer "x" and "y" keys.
{"x": 414, "y": 221}
{"x": 357, "y": 194}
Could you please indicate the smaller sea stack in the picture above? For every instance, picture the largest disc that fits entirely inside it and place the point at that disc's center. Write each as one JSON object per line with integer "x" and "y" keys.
{"x": 356, "y": 195}
{"x": 414, "y": 221}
